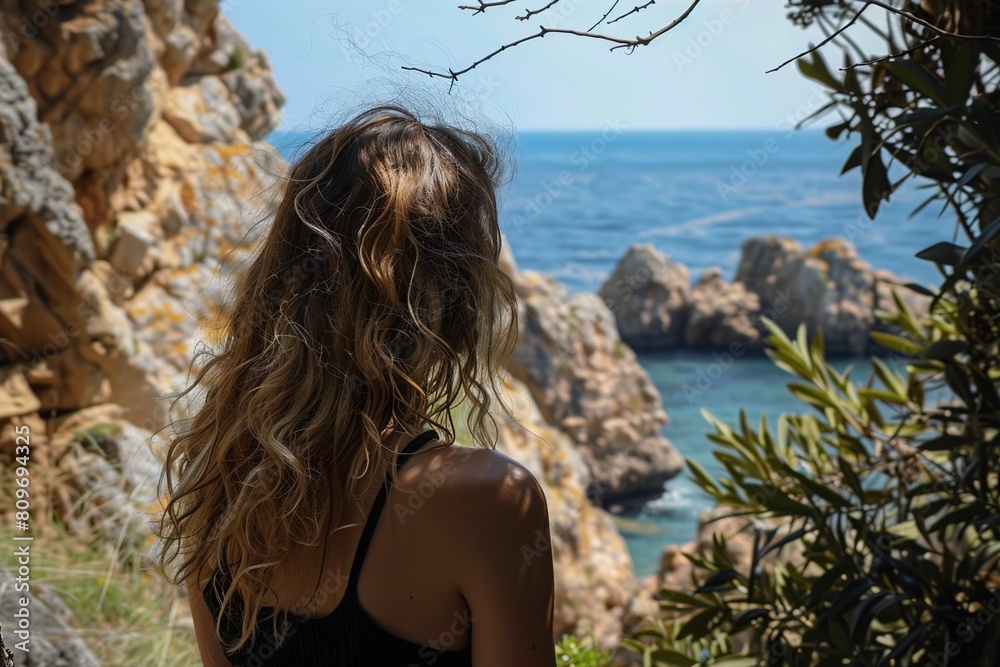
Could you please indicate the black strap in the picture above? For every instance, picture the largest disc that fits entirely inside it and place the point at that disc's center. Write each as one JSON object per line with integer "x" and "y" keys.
{"x": 376, "y": 510}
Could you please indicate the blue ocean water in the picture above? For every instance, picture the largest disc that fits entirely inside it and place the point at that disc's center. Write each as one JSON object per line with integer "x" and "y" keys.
{"x": 577, "y": 200}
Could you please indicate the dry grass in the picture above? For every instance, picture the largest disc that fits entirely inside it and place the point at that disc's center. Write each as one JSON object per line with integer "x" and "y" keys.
{"x": 126, "y": 612}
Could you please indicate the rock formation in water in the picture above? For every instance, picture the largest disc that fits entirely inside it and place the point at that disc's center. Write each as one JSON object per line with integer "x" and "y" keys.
{"x": 589, "y": 384}
{"x": 133, "y": 178}
{"x": 826, "y": 287}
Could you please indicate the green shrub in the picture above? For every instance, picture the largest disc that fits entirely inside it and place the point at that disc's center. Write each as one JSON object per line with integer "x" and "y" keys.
{"x": 571, "y": 652}
{"x": 874, "y": 514}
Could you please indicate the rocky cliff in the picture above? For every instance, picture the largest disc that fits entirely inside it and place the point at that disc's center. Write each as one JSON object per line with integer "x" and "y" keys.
{"x": 133, "y": 181}
{"x": 827, "y": 286}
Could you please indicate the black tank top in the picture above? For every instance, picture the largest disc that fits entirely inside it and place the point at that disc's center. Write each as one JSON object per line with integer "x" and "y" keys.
{"x": 347, "y": 637}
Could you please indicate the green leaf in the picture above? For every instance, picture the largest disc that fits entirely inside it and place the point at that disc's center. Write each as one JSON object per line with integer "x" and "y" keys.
{"x": 896, "y": 343}
{"x": 698, "y": 625}
{"x": 875, "y": 186}
{"x": 971, "y": 173}
{"x": 834, "y": 131}
{"x": 945, "y": 350}
{"x": 943, "y": 253}
{"x": 681, "y": 598}
{"x": 860, "y": 618}
{"x": 946, "y": 442}
{"x": 906, "y": 530}
{"x": 668, "y": 657}
{"x": 886, "y": 396}
{"x": 960, "y": 73}
{"x": 904, "y": 645}
{"x": 738, "y": 661}
{"x": 919, "y": 289}
{"x": 718, "y": 582}
{"x": 925, "y": 115}
{"x": 914, "y": 76}
{"x": 853, "y": 160}
{"x": 746, "y": 618}
{"x": 787, "y": 539}
{"x": 979, "y": 244}
{"x": 818, "y": 71}
{"x": 892, "y": 381}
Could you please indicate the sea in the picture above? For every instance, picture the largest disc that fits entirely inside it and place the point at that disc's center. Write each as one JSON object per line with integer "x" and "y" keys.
{"x": 573, "y": 202}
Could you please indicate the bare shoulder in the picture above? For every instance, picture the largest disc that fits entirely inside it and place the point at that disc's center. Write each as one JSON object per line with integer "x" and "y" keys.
{"x": 459, "y": 481}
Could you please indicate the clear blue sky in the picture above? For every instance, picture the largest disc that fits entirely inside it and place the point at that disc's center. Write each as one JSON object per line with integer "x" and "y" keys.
{"x": 707, "y": 73}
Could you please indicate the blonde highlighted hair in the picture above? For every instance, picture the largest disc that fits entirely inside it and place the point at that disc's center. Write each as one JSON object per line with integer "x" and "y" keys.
{"x": 375, "y": 302}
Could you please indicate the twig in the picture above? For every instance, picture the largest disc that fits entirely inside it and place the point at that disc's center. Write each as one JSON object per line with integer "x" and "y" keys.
{"x": 929, "y": 25}
{"x": 483, "y": 6}
{"x": 634, "y": 10}
{"x": 893, "y": 55}
{"x": 826, "y": 41}
{"x": 611, "y": 9}
{"x": 528, "y": 13}
{"x": 542, "y": 31}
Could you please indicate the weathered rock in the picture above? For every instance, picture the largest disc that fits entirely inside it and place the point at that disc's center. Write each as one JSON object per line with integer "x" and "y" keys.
{"x": 52, "y": 642}
{"x": 827, "y": 287}
{"x": 722, "y": 314}
{"x": 648, "y": 295}
{"x": 588, "y": 382}
{"x": 594, "y": 576}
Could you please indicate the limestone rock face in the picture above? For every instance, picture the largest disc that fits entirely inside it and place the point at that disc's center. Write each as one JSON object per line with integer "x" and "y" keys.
{"x": 594, "y": 576}
{"x": 588, "y": 383}
{"x": 648, "y": 295}
{"x": 117, "y": 211}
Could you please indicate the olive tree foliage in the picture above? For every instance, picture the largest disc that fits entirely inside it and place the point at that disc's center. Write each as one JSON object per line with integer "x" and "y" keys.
{"x": 874, "y": 512}
{"x": 874, "y": 516}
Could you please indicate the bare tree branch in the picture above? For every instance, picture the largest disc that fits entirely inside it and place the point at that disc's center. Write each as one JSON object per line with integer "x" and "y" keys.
{"x": 826, "y": 41}
{"x": 634, "y": 10}
{"x": 931, "y": 26}
{"x": 905, "y": 52}
{"x": 483, "y": 6}
{"x": 620, "y": 42}
{"x": 531, "y": 12}
{"x": 611, "y": 9}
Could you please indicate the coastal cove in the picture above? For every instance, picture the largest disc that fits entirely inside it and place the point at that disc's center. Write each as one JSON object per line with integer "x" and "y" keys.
{"x": 577, "y": 200}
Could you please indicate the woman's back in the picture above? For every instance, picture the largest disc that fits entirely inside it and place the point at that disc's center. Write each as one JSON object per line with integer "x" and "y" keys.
{"x": 375, "y": 305}
{"x": 391, "y": 589}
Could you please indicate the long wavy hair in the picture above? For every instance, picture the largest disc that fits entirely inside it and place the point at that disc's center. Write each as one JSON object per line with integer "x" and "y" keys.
{"x": 374, "y": 302}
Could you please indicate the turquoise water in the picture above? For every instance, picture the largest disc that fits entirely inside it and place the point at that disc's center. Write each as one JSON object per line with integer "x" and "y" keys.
{"x": 576, "y": 200}
{"x": 751, "y": 382}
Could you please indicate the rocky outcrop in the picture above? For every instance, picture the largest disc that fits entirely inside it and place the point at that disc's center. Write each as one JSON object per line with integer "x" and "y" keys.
{"x": 594, "y": 576}
{"x": 721, "y": 313}
{"x": 114, "y": 223}
{"x": 826, "y": 287}
{"x": 648, "y": 295}
{"x": 587, "y": 382}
